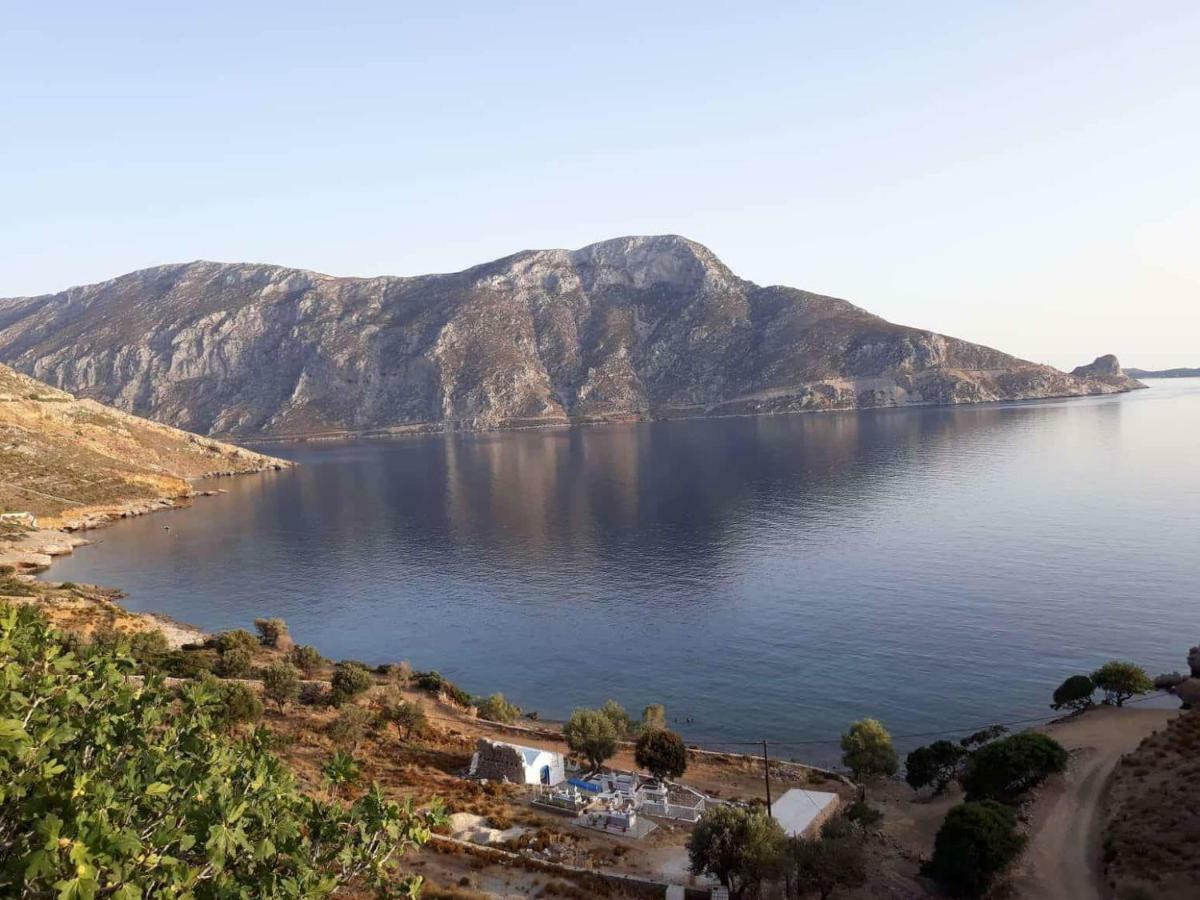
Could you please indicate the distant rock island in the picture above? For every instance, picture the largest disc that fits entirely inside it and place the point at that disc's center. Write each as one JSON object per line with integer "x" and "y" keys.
{"x": 1163, "y": 373}
{"x": 630, "y": 328}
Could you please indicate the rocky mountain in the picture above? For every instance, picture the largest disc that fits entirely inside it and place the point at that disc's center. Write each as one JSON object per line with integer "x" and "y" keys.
{"x": 74, "y": 462}
{"x": 634, "y": 327}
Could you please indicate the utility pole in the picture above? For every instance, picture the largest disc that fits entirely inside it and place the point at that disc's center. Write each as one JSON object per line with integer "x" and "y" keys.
{"x": 767, "y": 777}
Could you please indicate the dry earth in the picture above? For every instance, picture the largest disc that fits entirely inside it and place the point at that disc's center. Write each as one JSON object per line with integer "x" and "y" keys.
{"x": 77, "y": 463}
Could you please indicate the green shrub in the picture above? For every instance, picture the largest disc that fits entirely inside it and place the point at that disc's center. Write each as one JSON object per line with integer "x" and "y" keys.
{"x": 827, "y": 863}
{"x": 408, "y": 717}
{"x": 496, "y": 709}
{"x": 90, "y": 761}
{"x": 281, "y": 683}
{"x": 434, "y": 683}
{"x": 271, "y": 631}
{"x": 239, "y": 703}
{"x": 307, "y": 659}
{"x": 148, "y": 649}
{"x": 864, "y": 815}
{"x": 349, "y": 680}
{"x": 187, "y": 664}
{"x": 1005, "y": 769}
{"x": 229, "y": 640}
{"x": 975, "y": 844}
{"x": 1075, "y": 693}
{"x": 235, "y": 662}
{"x": 350, "y": 727}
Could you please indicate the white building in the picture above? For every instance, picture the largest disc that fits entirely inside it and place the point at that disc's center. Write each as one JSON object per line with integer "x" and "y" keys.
{"x": 802, "y": 813}
{"x": 517, "y": 764}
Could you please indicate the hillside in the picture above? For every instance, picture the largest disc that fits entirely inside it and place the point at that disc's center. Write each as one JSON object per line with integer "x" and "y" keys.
{"x": 637, "y": 327}
{"x": 67, "y": 460}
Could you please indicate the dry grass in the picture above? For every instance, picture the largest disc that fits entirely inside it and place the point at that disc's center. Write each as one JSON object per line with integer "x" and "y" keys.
{"x": 59, "y": 455}
{"x": 1152, "y": 840}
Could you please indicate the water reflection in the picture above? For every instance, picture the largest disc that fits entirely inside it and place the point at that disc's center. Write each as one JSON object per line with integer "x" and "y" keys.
{"x": 776, "y": 575}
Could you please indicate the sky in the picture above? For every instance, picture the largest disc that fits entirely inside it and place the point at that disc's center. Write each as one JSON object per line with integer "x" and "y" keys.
{"x": 1023, "y": 175}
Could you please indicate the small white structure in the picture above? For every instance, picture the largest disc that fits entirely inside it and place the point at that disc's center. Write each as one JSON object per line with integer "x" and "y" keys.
{"x": 802, "y": 813}
{"x": 516, "y": 764}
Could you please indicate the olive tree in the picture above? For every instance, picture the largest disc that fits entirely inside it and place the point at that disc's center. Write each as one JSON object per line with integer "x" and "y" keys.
{"x": 591, "y": 734}
{"x": 739, "y": 847}
{"x": 307, "y": 659}
{"x": 1121, "y": 680}
{"x": 281, "y": 683}
{"x": 620, "y": 719}
{"x": 867, "y": 751}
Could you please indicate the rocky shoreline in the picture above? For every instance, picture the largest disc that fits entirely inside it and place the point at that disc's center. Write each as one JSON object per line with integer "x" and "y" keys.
{"x": 28, "y": 550}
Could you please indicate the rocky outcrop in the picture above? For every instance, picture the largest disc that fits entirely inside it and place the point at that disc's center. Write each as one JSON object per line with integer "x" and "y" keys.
{"x": 629, "y": 328}
{"x": 1102, "y": 365}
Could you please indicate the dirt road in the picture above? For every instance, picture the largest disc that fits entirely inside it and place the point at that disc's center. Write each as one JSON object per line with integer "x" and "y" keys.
{"x": 1063, "y": 859}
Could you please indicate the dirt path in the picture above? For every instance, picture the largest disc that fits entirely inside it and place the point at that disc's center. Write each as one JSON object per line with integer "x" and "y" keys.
{"x": 1063, "y": 859}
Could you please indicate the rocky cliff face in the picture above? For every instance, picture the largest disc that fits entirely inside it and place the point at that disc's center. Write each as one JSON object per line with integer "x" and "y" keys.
{"x": 628, "y": 328}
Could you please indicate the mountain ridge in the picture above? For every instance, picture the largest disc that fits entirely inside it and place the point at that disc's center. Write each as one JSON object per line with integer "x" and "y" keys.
{"x": 628, "y": 328}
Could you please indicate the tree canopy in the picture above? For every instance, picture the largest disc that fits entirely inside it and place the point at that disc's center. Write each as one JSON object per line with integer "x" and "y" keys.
{"x": 739, "y": 847}
{"x": 938, "y": 764}
{"x": 1074, "y": 693}
{"x": 115, "y": 789}
{"x": 591, "y": 734}
{"x": 1121, "y": 680}
{"x": 1007, "y": 768}
{"x": 662, "y": 753}
{"x": 867, "y": 750}
{"x": 975, "y": 844}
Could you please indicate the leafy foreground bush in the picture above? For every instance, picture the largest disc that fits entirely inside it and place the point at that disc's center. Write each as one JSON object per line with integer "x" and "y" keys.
{"x": 117, "y": 790}
{"x": 975, "y": 844}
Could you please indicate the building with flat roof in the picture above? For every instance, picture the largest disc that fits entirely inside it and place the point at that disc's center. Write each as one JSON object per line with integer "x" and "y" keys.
{"x": 802, "y": 813}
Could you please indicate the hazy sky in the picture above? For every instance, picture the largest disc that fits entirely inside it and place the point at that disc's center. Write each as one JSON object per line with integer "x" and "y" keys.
{"x": 1024, "y": 175}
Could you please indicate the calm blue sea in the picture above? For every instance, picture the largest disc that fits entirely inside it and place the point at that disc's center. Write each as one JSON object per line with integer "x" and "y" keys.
{"x": 763, "y": 577}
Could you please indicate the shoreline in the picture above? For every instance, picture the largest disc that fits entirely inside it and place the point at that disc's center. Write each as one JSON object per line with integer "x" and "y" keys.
{"x": 678, "y": 414}
{"x": 30, "y": 550}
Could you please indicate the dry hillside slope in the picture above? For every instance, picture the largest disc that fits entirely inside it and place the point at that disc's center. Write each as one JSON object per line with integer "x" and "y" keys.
{"x": 66, "y": 460}
{"x": 634, "y": 327}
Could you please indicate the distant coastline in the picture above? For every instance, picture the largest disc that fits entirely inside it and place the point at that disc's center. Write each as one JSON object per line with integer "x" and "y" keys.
{"x": 1163, "y": 373}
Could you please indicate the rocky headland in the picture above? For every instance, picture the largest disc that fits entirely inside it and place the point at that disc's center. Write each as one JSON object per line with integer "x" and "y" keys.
{"x": 630, "y": 328}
